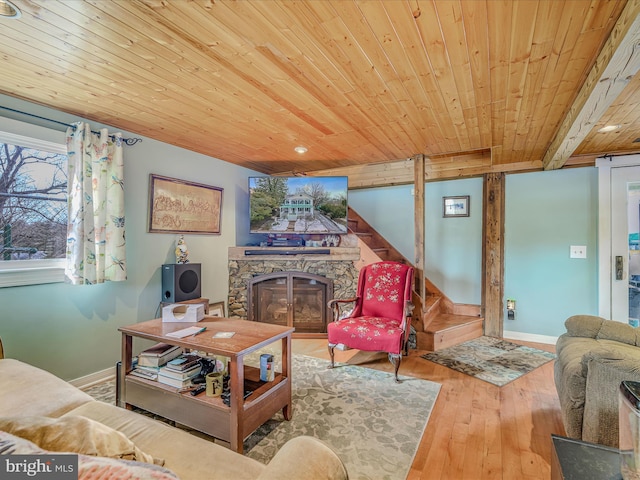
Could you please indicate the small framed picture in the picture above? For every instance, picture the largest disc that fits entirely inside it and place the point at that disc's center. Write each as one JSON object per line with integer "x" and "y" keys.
{"x": 455, "y": 206}
{"x": 216, "y": 309}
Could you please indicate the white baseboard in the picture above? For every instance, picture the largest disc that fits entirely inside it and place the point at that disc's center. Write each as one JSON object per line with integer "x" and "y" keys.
{"x": 530, "y": 337}
{"x": 93, "y": 378}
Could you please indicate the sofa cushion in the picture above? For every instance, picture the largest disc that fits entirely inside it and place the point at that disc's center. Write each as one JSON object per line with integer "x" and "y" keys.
{"x": 571, "y": 381}
{"x": 583, "y": 325}
{"x": 77, "y": 434}
{"x": 319, "y": 461}
{"x": 90, "y": 468}
{"x": 619, "y": 348}
{"x": 618, "y": 332}
{"x": 373, "y": 334}
{"x": 606, "y": 370}
{"x": 45, "y": 394}
{"x": 189, "y": 456}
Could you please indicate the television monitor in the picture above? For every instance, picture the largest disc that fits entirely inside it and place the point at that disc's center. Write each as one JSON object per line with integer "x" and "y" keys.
{"x": 298, "y": 205}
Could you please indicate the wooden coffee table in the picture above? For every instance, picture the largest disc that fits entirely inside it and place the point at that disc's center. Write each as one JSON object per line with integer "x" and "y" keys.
{"x": 209, "y": 414}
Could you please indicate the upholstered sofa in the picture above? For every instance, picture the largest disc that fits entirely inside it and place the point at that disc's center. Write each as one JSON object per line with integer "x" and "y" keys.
{"x": 593, "y": 357}
{"x": 42, "y": 413}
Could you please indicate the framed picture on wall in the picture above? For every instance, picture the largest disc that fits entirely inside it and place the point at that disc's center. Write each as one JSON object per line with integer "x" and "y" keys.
{"x": 455, "y": 206}
{"x": 216, "y": 309}
{"x": 179, "y": 206}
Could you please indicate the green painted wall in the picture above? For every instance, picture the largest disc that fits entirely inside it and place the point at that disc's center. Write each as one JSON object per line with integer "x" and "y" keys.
{"x": 546, "y": 213}
{"x": 453, "y": 246}
{"x": 72, "y": 331}
{"x": 390, "y": 211}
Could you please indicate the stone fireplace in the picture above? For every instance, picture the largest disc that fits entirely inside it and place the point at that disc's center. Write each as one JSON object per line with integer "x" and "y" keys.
{"x": 290, "y": 286}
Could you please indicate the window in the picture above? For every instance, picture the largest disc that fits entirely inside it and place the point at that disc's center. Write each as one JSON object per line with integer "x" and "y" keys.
{"x": 33, "y": 210}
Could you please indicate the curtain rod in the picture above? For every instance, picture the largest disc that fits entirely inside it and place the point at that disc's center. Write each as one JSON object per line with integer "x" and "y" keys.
{"x": 127, "y": 141}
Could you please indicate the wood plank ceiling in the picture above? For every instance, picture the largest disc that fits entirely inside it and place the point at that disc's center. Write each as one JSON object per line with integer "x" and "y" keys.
{"x": 475, "y": 85}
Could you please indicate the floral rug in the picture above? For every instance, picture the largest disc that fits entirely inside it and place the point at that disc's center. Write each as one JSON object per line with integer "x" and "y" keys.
{"x": 371, "y": 422}
{"x": 491, "y": 359}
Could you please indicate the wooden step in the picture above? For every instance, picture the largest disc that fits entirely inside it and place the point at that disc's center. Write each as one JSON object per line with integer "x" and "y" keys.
{"x": 383, "y": 253}
{"x": 432, "y": 307}
{"x": 364, "y": 236}
{"x": 447, "y": 330}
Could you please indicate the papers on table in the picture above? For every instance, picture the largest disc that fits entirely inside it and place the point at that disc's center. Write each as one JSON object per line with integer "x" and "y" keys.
{"x": 186, "y": 332}
{"x": 224, "y": 334}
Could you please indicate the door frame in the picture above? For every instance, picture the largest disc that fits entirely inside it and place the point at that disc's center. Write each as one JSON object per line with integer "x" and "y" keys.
{"x": 604, "y": 165}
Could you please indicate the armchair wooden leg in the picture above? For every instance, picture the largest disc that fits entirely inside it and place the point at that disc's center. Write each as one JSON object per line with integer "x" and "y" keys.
{"x": 331, "y": 347}
{"x": 395, "y": 361}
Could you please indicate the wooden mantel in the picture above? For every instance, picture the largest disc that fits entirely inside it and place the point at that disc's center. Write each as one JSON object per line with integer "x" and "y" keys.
{"x": 336, "y": 254}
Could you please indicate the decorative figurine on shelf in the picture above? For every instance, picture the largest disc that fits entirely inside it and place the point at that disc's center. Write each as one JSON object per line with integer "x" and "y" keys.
{"x": 181, "y": 250}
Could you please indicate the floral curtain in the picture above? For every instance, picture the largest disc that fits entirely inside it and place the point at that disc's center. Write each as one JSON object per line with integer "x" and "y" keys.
{"x": 95, "y": 232}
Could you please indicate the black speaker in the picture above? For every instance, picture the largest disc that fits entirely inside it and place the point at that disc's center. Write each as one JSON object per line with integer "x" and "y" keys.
{"x": 180, "y": 282}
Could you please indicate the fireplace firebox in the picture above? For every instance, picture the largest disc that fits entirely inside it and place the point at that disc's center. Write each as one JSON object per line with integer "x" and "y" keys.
{"x": 294, "y": 299}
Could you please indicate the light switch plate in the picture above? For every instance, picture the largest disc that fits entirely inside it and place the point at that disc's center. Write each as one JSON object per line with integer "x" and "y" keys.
{"x": 578, "y": 251}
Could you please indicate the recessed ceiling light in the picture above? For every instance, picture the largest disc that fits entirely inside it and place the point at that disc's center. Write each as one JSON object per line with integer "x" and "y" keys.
{"x": 301, "y": 150}
{"x": 609, "y": 128}
{"x": 9, "y": 10}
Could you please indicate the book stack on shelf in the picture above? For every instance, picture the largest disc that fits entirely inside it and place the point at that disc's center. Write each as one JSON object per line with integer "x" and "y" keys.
{"x": 180, "y": 371}
{"x": 150, "y": 360}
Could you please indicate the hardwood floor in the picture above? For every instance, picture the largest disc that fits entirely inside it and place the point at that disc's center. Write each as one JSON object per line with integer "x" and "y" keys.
{"x": 476, "y": 430}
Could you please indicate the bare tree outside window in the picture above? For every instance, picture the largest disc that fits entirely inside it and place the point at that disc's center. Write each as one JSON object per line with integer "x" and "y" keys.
{"x": 33, "y": 203}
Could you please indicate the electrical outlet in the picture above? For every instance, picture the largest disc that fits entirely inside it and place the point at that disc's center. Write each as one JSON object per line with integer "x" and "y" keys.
{"x": 511, "y": 309}
{"x": 578, "y": 251}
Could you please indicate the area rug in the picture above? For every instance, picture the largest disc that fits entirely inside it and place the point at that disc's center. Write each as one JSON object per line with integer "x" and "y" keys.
{"x": 371, "y": 422}
{"x": 491, "y": 359}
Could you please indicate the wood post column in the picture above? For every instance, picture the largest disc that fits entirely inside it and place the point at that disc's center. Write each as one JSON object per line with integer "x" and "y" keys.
{"x": 419, "y": 225}
{"x": 493, "y": 254}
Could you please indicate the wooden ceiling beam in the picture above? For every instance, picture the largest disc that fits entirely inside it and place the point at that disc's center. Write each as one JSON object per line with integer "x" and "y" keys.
{"x": 452, "y": 167}
{"x": 400, "y": 172}
{"x": 617, "y": 63}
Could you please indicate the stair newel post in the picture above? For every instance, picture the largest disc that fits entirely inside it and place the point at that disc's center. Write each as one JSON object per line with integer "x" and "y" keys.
{"x": 419, "y": 244}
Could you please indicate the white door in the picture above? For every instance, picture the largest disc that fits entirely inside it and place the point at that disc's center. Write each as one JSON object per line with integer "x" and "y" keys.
{"x": 619, "y": 249}
{"x": 625, "y": 219}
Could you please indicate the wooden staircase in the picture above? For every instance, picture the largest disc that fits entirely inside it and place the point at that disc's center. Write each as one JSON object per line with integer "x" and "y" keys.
{"x": 442, "y": 324}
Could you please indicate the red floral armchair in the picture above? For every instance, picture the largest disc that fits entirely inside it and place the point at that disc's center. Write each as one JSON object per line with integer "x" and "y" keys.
{"x": 381, "y": 317}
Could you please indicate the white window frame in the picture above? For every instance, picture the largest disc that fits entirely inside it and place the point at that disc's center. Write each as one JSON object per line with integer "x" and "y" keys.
{"x": 15, "y": 273}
